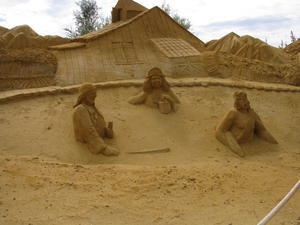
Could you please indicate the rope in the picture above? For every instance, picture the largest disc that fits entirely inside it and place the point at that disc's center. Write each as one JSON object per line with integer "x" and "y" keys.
{"x": 280, "y": 204}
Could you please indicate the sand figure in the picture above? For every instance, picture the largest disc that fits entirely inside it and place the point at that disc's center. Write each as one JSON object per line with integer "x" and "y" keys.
{"x": 240, "y": 124}
{"x": 156, "y": 93}
{"x": 89, "y": 124}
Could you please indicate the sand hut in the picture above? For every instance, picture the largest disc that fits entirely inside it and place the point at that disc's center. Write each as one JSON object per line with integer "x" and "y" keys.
{"x": 135, "y": 41}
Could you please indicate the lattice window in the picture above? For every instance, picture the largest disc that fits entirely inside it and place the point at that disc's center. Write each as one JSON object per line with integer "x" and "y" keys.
{"x": 124, "y": 52}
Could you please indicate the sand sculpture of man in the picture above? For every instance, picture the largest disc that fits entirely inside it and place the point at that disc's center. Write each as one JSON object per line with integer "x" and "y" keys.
{"x": 240, "y": 124}
{"x": 156, "y": 93}
{"x": 89, "y": 124}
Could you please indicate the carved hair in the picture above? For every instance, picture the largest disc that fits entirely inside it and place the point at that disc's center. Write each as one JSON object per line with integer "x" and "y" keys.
{"x": 83, "y": 90}
{"x": 147, "y": 87}
{"x": 237, "y": 96}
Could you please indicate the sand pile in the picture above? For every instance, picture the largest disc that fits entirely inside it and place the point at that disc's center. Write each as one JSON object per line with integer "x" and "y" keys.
{"x": 293, "y": 48}
{"x": 249, "y": 58}
{"x": 3, "y": 30}
{"x": 25, "y": 37}
{"x": 247, "y": 47}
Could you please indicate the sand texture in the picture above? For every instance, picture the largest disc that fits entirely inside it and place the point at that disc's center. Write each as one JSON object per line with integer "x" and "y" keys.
{"x": 49, "y": 178}
{"x": 184, "y": 176}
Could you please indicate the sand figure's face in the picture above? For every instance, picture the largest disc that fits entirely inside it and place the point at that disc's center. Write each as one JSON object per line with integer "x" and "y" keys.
{"x": 242, "y": 103}
{"x": 156, "y": 81}
{"x": 90, "y": 97}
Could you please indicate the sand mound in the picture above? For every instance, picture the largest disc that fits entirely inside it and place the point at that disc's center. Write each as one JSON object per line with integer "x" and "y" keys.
{"x": 25, "y": 37}
{"x": 294, "y": 47}
{"x": 21, "y": 41}
{"x": 249, "y": 58}
{"x": 247, "y": 47}
{"x": 235, "y": 67}
{"x": 3, "y": 30}
{"x": 25, "y": 29}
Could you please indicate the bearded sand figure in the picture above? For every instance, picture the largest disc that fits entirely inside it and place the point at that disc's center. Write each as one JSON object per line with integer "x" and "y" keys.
{"x": 240, "y": 124}
{"x": 89, "y": 124}
{"x": 156, "y": 93}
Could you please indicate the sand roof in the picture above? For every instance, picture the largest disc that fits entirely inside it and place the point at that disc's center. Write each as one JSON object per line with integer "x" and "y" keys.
{"x": 113, "y": 26}
{"x": 130, "y": 5}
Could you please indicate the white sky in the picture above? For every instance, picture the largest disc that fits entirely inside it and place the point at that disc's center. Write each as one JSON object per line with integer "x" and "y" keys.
{"x": 270, "y": 20}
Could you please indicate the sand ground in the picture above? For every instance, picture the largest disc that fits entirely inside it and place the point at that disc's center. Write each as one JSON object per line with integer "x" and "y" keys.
{"x": 49, "y": 178}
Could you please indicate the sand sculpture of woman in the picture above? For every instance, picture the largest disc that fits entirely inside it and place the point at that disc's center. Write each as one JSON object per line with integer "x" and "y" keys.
{"x": 89, "y": 124}
{"x": 156, "y": 93}
{"x": 240, "y": 124}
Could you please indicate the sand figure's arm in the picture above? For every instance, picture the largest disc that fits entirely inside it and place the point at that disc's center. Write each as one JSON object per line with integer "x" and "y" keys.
{"x": 172, "y": 94}
{"x": 138, "y": 99}
{"x": 170, "y": 97}
{"x": 83, "y": 122}
{"x": 225, "y": 136}
{"x": 261, "y": 130}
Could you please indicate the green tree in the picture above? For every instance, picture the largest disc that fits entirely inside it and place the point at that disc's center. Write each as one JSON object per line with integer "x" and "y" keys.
{"x": 87, "y": 19}
{"x": 184, "y": 22}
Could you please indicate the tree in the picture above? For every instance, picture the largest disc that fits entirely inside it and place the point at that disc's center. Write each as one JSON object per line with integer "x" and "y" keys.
{"x": 293, "y": 38}
{"x": 281, "y": 45}
{"x": 184, "y": 22}
{"x": 87, "y": 19}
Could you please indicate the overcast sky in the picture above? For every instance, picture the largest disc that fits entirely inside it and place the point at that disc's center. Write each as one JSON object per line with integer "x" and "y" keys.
{"x": 268, "y": 20}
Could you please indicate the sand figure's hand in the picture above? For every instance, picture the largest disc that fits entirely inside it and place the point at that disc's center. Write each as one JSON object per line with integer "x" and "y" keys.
{"x": 168, "y": 98}
{"x": 233, "y": 144}
{"x": 110, "y": 151}
{"x": 109, "y": 132}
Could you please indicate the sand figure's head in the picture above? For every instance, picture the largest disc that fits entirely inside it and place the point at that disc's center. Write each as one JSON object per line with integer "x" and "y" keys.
{"x": 240, "y": 100}
{"x": 87, "y": 94}
{"x": 155, "y": 79}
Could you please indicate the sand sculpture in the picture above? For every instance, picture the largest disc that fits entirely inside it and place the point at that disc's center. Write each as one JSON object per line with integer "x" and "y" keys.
{"x": 89, "y": 123}
{"x": 156, "y": 93}
{"x": 25, "y": 61}
{"x": 195, "y": 175}
{"x": 240, "y": 124}
{"x": 137, "y": 39}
